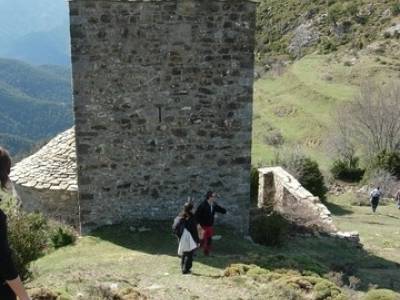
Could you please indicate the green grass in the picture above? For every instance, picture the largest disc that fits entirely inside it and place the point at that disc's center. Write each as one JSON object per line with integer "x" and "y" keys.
{"x": 380, "y": 233}
{"x": 148, "y": 262}
{"x": 308, "y": 102}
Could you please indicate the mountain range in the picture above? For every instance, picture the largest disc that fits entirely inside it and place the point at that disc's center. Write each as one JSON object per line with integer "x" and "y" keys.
{"x": 35, "y": 103}
{"x": 35, "y": 31}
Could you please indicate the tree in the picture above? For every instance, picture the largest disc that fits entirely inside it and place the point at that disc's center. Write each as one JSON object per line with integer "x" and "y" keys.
{"x": 372, "y": 120}
{"x": 340, "y": 143}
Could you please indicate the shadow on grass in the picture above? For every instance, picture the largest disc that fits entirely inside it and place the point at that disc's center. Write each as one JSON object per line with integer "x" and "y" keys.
{"x": 318, "y": 255}
{"x": 338, "y": 210}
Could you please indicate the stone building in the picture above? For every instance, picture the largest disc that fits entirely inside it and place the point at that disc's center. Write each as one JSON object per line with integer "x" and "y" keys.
{"x": 163, "y": 106}
{"x": 47, "y": 180}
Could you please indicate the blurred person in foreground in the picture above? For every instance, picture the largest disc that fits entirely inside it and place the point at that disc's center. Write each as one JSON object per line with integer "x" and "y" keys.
{"x": 11, "y": 285}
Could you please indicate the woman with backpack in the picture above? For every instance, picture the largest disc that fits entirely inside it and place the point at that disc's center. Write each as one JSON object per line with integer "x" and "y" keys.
{"x": 10, "y": 283}
{"x": 185, "y": 227}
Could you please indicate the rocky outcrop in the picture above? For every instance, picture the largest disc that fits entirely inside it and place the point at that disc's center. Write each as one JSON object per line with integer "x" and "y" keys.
{"x": 304, "y": 36}
{"x": 47, "y": 180}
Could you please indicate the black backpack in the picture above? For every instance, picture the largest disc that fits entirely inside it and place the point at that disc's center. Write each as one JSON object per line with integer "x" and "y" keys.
{"x": 178, "y": 226}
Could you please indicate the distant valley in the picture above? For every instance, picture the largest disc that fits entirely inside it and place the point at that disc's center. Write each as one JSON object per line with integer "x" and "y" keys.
{"x": 35, "y": 103}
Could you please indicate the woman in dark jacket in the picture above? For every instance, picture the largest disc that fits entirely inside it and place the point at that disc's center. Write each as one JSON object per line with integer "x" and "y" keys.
{"x": 205, "y": 217}
{"x": 189, "y": 238}
{"x": 10, "y": 283}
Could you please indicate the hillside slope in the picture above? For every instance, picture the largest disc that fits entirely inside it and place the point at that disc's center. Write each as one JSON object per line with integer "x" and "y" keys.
{"x": 292, "y": 28}
{"x": 35, "y": 103}
{"x": 311, "y": 61}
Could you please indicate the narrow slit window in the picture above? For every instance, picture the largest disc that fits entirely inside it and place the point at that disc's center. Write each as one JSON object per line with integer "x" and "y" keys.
{"x": 159, "y": 114}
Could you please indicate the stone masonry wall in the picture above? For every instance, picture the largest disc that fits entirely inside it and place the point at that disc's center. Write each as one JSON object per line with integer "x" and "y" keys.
{"x": 60, "y": 205}
{"x": 280, "y": 191}
{"x": 163, "y": 106}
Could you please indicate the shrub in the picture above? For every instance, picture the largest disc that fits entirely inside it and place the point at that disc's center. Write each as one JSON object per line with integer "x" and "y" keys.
{"x": 43, "y": 294}
{"x": 62, "y": 235}
{"x": 335, "y": 277}
{"x": 381, "y": 294}
{"x": 352, "y": 8}
{"x": 274, "y": 138}
{"x": 354, "y": 282}
{"x": 28, "y": 236}
{"x": 387, "y": 35}
{"x": 389, "y": 161}
{"x": 327, "y": 45}
{"x": 326, "y": 290}
{"x": 341, "y": 170}
{"x": 361, "y": 19}
{"x": 281, "y": 291}
{"x": 334, "y": 12}
{"x": 305, "y": 170}
{"x": 396, "y": 9}
{"x": 269, "y": 229}
{"x": 106, "y": 292}
{"x": 310, "y": 176}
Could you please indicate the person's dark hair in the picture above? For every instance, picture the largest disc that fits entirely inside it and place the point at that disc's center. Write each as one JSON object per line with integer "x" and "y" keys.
{"x": 209, "y": 194}
{"x": 5, "y": 167}
{"x": 187, "y": 210}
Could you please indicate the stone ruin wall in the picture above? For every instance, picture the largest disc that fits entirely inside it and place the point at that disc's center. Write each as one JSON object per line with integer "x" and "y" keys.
{"x": 59, "y": 205}
{"x": 282, "y": 192}
{"x": 163, "y": 106}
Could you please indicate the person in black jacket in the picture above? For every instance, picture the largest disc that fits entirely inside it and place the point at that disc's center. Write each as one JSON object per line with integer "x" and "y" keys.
{"x": 205, "y": 217}
{"x": 10, "y": 283}
{"x": 189, "y": 238}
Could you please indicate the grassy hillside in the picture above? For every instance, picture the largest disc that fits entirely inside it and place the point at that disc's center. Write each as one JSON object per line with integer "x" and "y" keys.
{"x": 147, "y": 262}
{"x": 35, "y": 103}
{"x": 300, "y": 103}
{"x": 312, "y": 56}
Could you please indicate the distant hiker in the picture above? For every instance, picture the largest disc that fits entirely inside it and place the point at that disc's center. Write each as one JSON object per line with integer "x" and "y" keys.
{"x": 398, "y": 199}
{"x": 205, "y": 217}
{"x": 10, "y": 283}
{"x": 374, "y": 197}
{"x": 185, "y": 227}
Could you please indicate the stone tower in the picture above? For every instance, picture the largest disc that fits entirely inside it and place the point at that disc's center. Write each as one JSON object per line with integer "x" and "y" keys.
{"x": 163, "y": 106}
